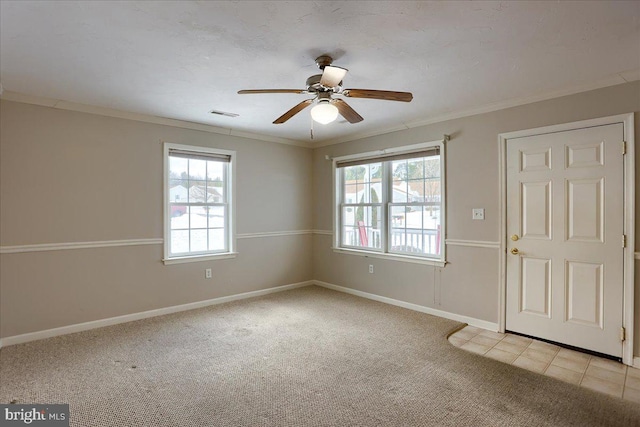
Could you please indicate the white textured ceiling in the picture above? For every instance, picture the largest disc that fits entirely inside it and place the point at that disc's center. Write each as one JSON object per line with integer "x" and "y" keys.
{"x": 182, "y": 59}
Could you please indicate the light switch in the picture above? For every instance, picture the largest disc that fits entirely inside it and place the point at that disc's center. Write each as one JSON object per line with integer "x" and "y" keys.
{"x": 478, "y": 213}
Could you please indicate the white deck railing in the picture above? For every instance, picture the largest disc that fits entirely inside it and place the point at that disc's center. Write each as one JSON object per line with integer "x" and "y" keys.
{"x": 413, "y": 241}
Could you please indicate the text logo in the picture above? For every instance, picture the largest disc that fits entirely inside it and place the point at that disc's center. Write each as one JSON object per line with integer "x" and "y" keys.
{"x": 34, "y": 415}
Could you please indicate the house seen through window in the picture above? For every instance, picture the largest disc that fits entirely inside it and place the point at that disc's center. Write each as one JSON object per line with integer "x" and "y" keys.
{"x": 199, "y": 201}
{"x": 392, "y": 203}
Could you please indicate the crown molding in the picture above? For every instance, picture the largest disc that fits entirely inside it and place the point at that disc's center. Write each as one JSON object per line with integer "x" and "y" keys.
{"x": 616, "y": 79}
{"x": 146, "y": 118}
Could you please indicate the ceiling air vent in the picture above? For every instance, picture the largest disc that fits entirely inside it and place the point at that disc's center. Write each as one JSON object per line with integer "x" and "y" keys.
{"x": 223, "y": 113}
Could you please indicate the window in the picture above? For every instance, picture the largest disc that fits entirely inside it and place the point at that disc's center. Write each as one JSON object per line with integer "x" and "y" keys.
{"x": 198, "y": 203}
{"x": 391, "y": 203}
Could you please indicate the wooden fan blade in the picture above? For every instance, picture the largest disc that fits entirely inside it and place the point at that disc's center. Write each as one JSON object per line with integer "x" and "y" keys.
{"x": 254, "y": 91}
{"x": 378, "y": 94}
{"x": 346, "y": 111}
{"x": 332, "y": 76}
{"x": 292, "y": 112}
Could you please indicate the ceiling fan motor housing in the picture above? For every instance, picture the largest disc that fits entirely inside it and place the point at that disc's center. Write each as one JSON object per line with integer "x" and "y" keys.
{"x": 323, "y": 60}
{"x": 313, "y": 83}
{"x": 314, "y": 86}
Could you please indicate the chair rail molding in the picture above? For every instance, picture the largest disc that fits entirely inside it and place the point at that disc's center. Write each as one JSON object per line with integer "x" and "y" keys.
{"x": 42, "y": 247}
{"x": 473, "y": 243}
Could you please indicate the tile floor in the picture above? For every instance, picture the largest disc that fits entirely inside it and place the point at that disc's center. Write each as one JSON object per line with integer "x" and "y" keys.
{"x": 592, "y": 372}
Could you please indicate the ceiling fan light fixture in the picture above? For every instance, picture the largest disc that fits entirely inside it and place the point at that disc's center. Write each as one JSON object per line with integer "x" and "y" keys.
{"x": 324, "y": 112}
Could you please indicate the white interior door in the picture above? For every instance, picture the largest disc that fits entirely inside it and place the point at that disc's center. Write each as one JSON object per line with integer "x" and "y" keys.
{"x": 565, "y": 207}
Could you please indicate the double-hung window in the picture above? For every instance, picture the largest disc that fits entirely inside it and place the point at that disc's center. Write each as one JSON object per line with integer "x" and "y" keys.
{"x": 198, "y": 203}
{"x": 391, "y": 203}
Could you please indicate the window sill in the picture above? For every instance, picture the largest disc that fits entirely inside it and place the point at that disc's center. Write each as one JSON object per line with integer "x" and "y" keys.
{"x": 392, "y": 257}
{"x": 199, "y": 258}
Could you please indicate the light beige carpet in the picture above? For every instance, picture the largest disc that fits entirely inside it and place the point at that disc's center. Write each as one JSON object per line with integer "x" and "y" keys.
{"x": 306, "y": 357}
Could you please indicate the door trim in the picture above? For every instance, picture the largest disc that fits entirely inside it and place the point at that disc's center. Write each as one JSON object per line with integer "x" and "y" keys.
{"x": 629, "y": 216}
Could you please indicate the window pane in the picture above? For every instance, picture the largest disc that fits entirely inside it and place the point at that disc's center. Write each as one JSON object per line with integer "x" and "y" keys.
{"x": 198, "y": 240}
{"x": 414, "y": 230}
{"x": 353, "y": 177}
{"x": 178, "y": 168}
{"x": 432, "y": 182}
{"x": 415, "y": 168}
{"x": 416, "y": 191}
{"x": 216, "y": 239}
{"x": 179, "y": 241}
{"x": 400, "y": 191}
{"x": 197, "y": 169}
{"x": 375, "y": 172}
{"x": 197, "y": 191}
{"x": 197, "y": 217}
{"x": 215, "y": 192}
{"x": 364, "y": 195}
{"x": 215, "y": 171}
{"x": 178, "y": 191}
{"x": 349, "y": 216}
{"x": 432, "y": 167}
{"x": 216, "y": 216}
{"x": 432, "y": 242}
{"x": 432, "y": 231}
{"x": 178, "y": 218}
{"x": 398, "y": 214}
{"x": 413, "y": 217}
{"x": 406, "y": 229}
{"x": 362, "y": 227}
{"x": 375, "y": 192}
{"x": 432, "y": 190}
{"x": 356, "y": 173}
{"x": 405, "y": 236}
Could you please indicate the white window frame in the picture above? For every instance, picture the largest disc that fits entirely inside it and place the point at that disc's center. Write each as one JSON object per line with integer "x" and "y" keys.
{"x": 386, "y": 206}
{"x": 230, "y": 228}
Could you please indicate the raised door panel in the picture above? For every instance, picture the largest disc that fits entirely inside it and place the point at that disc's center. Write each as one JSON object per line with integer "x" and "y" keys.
{"x": 535, "y": 286}
{"x": 535, "y": 160}
{"x": 584, "y": 155}
{"x": 536, "y": 210}
{"x": 584, "y": 293}
{"x": 585, "y": 210}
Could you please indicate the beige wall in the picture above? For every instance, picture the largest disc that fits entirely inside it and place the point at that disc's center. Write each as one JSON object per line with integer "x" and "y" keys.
{"x": 469, "y": 284}
{"x": 75, "y": 177}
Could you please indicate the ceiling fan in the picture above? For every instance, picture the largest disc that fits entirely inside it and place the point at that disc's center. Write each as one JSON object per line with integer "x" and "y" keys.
{"x": 323, "y": 86}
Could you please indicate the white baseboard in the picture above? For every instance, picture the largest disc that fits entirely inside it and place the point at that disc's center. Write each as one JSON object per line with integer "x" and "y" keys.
{"x": 64, "y": 330}
{"x": 440, "y": 313}
{"x": 79, "y": 327}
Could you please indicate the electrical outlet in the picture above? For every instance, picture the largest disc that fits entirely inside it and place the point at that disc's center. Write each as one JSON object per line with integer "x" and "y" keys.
{"x": 478, "y": 213}
{"x": 371, "y": 268}
{"x": 207, "y": 273}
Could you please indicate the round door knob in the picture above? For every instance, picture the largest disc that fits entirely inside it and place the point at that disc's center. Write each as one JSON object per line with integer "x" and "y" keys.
{"x": 515, "y": 251}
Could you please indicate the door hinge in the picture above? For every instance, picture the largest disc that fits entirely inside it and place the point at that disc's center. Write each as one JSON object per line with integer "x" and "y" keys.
{"x": 623, "y": 334}
{"x": 624, "y": 147}
{"x": 624, "y": 241}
